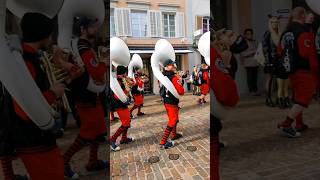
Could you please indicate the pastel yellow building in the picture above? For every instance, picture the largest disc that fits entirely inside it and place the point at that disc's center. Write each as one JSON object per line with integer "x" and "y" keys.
{"x": 141, "y": 23}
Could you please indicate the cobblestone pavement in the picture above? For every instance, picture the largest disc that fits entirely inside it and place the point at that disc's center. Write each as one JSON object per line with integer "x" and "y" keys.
{"x": 256, "y": 150}
{"x": 132, "y": 161}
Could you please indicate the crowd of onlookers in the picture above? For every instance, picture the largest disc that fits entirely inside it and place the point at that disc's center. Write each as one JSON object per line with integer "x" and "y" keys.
{"x": 276, "y": 78}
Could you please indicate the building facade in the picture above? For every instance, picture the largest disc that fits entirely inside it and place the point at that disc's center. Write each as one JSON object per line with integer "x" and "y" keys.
{"x": 141, "y": 23}
{"x": 198, "y": 24}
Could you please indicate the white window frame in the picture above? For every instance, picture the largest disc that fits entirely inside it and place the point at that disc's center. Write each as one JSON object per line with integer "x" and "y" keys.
{"x": 122, "y": 22}
{"x": 147, "y": 20}
{"x": 157, "y": 17}
{"x": 175, "y": 23}
{"x": 114, "y": 31}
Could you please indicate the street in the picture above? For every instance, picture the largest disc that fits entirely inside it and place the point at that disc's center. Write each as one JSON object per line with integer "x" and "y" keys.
{"x": 132, "y": 161}
{"x": 256, "y": 150}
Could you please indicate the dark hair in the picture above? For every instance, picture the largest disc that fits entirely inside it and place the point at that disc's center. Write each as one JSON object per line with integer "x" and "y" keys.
{"x": 248, "y": 30}
{"x": 36, "y": 27}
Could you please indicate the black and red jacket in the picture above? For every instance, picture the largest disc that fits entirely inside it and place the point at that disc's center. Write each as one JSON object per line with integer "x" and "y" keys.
{"x": 93, "y": 69}
{"x": 25, "y": 135}
{"x": 303, "y": 54}
{"x": 221, "y": 81}
{"x": 168, "y": 97}
{"x": 116, "y": 103}
{"x": 137, "y": 88}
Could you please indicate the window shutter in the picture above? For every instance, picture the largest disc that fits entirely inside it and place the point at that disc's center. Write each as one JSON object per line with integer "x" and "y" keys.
{"x": 180, "y": 25}
{"x": 199, "y": 22}
{"x": 154, "y": 25}
{"x": 122, "y": 22}
{"x": 127, "y": 22}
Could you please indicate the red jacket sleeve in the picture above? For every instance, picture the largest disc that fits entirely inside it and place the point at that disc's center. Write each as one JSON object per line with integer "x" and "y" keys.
{"x": 96, "y": 70}
{"x": 307, "y": 49}
{"x": 224, "y": 87}
{"x": 178, "y": 85}
{"x": 48, "y": 95}
{"x": 206, "y": 78}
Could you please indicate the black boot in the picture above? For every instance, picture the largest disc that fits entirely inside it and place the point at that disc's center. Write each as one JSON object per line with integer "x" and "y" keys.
{"x": 278, "y": 102}
{"x": 269, "y": 102}
{"x": 282, "y": 104}
{"x": 288, "y": 102}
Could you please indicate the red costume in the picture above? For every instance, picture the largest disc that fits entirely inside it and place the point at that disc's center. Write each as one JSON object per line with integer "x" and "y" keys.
{"x": 36, "y": 148}
{"x": 137, "y": 93}
{"x": 93, "y": 125}
{"x": 205, "y": 86}
{"x": 226, "y": 93}
{"x": 303, "y": 65}
{"x": 171, "y": 104}
{"x": 123, "y": 112}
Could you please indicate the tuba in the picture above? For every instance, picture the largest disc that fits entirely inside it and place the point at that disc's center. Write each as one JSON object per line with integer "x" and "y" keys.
{"x": 163, "y": 51}
{"x": 314, "y": 5}
{"x": 204, "y": 46}
{"x": 136, "y": 61}
{"x": 119, "y": 56}
{"x": 13, "y": 72}
{"x": 66, "y": 40}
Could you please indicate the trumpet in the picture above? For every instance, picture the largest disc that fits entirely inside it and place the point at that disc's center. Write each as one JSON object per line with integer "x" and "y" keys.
{"x": 55, "y": 75}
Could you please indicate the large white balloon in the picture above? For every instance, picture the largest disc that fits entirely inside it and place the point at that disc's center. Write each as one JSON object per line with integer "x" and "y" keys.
{"x": 314, "y": 5}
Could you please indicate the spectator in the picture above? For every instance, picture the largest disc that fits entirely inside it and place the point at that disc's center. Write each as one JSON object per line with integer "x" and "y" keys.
{"x": 250, "y": 63}
{"x": 270, "y": 41}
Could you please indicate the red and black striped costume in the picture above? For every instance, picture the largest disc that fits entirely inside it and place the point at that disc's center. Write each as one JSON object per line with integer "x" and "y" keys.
{"x": 36, "y": 148}
{"x": 137, "y": 93}
{"x": 88, "y": 105}
{"x": 171, "y": 104}
{"x": 123, "y": 112}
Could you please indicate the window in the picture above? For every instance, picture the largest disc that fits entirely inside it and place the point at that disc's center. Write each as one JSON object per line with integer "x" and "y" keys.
{"x": 112, "y": 23}
{"x": 122, "y": 21}
{"x": 205, "y": 24}
{"x": 169, "y": 25}
{"x": 154, "y": 26}
{"x": 139, "y": 23}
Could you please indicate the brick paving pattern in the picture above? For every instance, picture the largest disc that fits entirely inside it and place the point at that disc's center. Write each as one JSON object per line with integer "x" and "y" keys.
{"x": 256, "y": 151}
{"x": 132, "y": 161}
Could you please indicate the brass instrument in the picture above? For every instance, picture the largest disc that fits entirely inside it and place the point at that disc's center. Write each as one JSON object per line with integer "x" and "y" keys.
{"x": 56, "y": 75}
{"x": 128, "y": 83}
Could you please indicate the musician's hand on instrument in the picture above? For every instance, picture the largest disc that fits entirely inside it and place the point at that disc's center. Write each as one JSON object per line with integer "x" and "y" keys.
{"x": 58, "y": 89}
{"x": 59, "y": 57}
